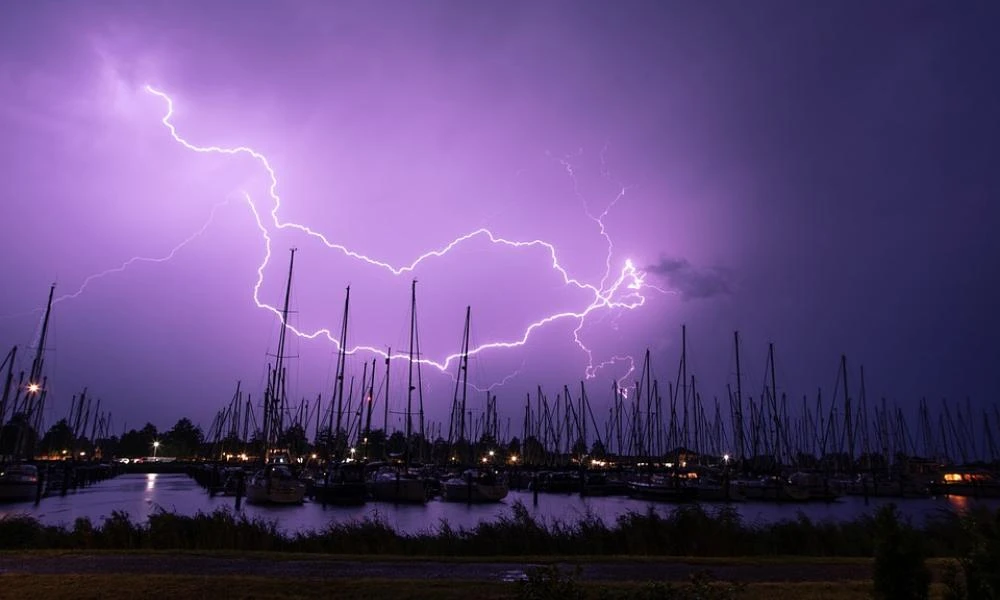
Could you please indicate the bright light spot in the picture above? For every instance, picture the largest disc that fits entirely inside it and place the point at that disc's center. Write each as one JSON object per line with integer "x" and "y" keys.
{"x": 82, "y": 453}
{"x": 492, "y": 453}
{"x": 156, "y": 444}
{"x": 513, "y": 458}
{"x": 353, "y": 450}
{"x": 485, "y": 459}
{"x": 314, "y": 457}
{"x": 725, "y": 457}
{"x": 34, "y": 387}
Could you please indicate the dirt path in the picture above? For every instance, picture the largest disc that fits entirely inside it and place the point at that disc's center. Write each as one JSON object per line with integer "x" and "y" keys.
{"x": 329, "y": 568}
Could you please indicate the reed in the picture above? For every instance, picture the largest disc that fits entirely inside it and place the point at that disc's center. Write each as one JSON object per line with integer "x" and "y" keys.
{"x": 690, "y": 531}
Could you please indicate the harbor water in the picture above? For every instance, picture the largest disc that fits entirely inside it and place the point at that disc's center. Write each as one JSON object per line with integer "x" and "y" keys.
{"x": 142, "y": 494}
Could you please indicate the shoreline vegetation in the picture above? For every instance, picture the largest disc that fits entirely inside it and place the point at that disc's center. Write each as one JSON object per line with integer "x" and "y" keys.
{"x": 689, "y": 531}
{"x": 883, "y": 555}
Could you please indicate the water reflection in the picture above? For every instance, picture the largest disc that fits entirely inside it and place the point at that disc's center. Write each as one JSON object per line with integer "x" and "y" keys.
{"x": 959, "y": 503}
{"x": 140, "y": 495}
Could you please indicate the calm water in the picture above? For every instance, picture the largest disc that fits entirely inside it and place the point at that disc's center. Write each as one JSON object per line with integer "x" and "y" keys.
{"x": 139, "y": 495}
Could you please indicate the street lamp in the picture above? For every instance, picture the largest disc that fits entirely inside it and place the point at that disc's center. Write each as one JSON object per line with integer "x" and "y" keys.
{"x": 155, "y": 446}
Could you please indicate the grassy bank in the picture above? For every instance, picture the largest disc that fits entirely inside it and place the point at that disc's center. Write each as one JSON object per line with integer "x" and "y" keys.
{"x": 127, "y": 587}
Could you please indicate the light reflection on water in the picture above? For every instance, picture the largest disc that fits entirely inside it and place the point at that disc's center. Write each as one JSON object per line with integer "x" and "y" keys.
{"x": 139, "y": 495}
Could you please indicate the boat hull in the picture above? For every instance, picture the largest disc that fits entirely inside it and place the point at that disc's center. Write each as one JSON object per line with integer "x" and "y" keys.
{"x": 456, "y": 490}
{"x": 275, "y": 485}
{"x": 18, "y": 483}
{"x": 661, "y": 492}
{"x": 399, "y": 489}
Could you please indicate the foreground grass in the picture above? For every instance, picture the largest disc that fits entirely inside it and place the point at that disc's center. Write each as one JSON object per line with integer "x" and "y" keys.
{"x": 127, "y": 587}
{"x": 689, "y": 531}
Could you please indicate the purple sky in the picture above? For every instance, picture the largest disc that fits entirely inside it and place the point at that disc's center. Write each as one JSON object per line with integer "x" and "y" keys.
{"x": 820, "y": 176}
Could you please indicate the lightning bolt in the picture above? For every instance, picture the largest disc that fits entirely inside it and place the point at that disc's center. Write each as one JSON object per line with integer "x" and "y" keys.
{"x": 624, "y": 291}
{"x": 128, "y": 263}
{"x": 621, "y": 291}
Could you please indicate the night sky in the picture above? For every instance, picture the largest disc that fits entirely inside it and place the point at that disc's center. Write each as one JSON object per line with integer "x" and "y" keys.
{"x": 817, "y": 175}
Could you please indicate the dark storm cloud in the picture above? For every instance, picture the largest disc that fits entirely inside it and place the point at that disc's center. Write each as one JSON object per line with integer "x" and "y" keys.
{"x": 693, "y": 283}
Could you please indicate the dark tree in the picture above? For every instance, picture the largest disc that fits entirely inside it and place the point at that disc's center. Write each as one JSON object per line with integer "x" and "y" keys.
{"x": 184, "y": 439}
{"x": 58, "y": 438}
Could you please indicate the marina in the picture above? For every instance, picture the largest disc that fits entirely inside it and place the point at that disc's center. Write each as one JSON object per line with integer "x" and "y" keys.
{"x": 141, "y": 494}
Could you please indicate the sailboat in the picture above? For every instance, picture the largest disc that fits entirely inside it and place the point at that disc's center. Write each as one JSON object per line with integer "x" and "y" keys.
{"x": 18, "y": 482}
{"x": 472, "y": 485}
{"x": 398, "y": 483}
{"x": 19, "y": 479}
{"x": 274, "y": 482}
{"x": 343, "y": 479}
{"x": 475, "y": 486}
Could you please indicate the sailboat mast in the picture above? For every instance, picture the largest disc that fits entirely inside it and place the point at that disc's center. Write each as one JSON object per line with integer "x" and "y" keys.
{"x": 341, "y": 364}
{"x": 385, "y": 416}
{"x": 9, "y": 361}
{"x": 35, "y": 391}
{"x": 36, "y": 364}
{"x": 464, "y": 374}
{"x": 684, "y": 392}
{"x": 368, "y": 408}
{"x": 848, "y": 417}
{"x": 740, "y": 442}
{"x": 273, "y": 400}
{"x": 410, "y": 387}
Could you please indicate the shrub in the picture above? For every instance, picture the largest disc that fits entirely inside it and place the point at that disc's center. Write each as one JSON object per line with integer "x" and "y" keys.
{"x": 549, "y": 583}
{"x": 976, "y": 574}
{"x": 899, "y": 569}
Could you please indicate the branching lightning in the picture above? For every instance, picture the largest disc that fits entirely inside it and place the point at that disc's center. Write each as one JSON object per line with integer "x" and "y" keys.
{"x": 128, "y": 263}
{"x": 623, "y": 292}
{"x": 615, "y": 291}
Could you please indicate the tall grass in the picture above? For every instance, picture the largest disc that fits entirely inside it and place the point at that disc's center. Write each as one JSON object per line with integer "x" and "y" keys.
{"x": 687, "y": 531}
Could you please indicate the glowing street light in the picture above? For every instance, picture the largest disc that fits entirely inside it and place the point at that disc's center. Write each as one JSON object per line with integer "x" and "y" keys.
{"x": 156, "y": 445}
{"x": 725, "y": 458}
{"x": 33, "y": 388}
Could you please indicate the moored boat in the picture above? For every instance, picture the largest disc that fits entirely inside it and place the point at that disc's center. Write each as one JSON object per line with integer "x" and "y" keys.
{"x": 774, "y": 489}
{"x": 974, "y": 483}
{"x": 817, "y": 486}
{"x": 275, "y": 484}
{"x": 600, "y": 484}
{"x": 662, "y": 489}
{"x": 398, "y": 485}
{"x": 474, "y": 486}
{"x": 341, "y": 483}
{"x": 18, "y": 482}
